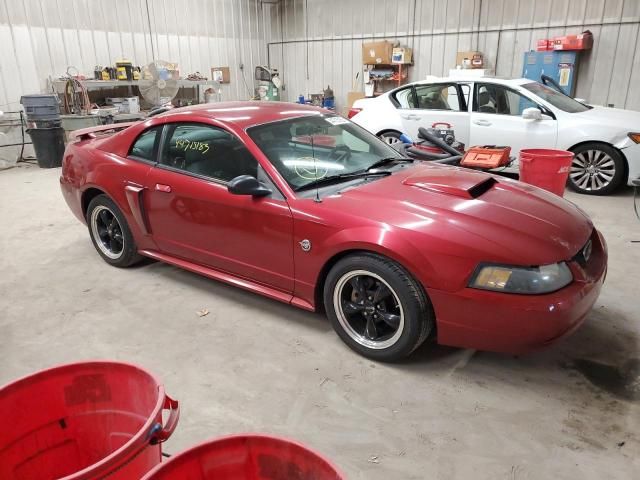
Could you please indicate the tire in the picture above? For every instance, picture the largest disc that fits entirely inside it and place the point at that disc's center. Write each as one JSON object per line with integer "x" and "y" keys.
{"x": 390, "y": 137}
{"x": 597, "y": 169}
{"x": 350, "y": 292}
{"x": 110, "y": 233}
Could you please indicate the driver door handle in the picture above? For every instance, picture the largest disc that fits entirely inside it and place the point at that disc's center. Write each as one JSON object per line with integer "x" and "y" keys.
{"x": 411, "y": 116}
{"x": 163, "y": 188}
{"x": 482, "y": 123}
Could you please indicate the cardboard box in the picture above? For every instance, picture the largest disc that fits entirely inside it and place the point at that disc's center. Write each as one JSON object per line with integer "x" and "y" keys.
{"x": 375, "y": 53}
{"x": 352, "y": 97}
{"x": 582, "y": 41}
{"x": 220, "y": 74}
{"x": 544, "y": 45}
{"x": 471, "y": 59}
{"x": 402, "y": 55}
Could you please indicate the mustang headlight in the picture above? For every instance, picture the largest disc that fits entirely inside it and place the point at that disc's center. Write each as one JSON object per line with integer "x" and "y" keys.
{"x": 523, "y": 280}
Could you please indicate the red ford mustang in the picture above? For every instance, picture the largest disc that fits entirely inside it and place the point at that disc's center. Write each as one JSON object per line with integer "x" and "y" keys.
{"x": 305, "y": 207}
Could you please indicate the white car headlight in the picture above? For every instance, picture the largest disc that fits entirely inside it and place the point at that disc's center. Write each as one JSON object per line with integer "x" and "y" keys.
{"x": 523, "y": 280}
{"x": 634, "y": 136}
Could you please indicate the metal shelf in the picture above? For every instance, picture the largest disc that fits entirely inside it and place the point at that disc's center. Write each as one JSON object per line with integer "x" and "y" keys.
{"x": 93, "y": 84}
{"x": 198, "y": 86}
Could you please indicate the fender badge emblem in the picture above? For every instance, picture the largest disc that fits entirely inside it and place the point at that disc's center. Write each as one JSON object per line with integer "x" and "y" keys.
{"x": 305, "y": 245}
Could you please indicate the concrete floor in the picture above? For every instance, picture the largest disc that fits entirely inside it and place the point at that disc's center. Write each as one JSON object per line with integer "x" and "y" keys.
{"x": 252, "y": 364}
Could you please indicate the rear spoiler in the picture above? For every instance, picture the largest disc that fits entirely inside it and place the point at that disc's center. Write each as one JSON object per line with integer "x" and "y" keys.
{"x": 91, "y": 132}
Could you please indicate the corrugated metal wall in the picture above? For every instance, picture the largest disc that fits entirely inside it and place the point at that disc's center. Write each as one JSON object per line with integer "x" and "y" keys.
{"x": 41, "y": 38}
{"x": 312, "y": 42}
{"x": 318, "y": 42}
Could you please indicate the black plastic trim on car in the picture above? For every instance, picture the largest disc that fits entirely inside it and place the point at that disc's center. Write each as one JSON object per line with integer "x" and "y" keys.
{"x": 482, "y": 187}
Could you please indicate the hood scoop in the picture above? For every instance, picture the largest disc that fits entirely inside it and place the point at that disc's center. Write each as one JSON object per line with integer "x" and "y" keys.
{"x": 459, "y": 183}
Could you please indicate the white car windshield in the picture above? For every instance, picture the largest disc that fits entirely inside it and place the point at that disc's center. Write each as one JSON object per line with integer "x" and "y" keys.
{"x": 555, "y": 98}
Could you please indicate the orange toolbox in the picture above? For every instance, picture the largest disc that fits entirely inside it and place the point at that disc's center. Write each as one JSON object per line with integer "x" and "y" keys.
{"x": 487, "y": 156}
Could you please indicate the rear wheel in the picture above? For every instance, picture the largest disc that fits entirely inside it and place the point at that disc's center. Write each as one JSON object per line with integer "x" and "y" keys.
{"x": 376, "y": 307}
{"x": 391, "y": 137}
{"x": 597, "y": 169}
{"x": 110, "y": 233}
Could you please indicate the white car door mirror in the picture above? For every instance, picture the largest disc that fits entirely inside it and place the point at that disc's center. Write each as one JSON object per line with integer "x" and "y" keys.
{"x": 531, "y": 114}
{"x": 581, "y": 100}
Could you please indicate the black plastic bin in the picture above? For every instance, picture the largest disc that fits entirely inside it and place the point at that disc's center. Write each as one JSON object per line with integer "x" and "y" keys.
{"x": 49, "y": 145}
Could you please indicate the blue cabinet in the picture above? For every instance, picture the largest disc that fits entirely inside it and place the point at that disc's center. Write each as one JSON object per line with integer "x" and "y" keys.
{"x": 561, "y": 65}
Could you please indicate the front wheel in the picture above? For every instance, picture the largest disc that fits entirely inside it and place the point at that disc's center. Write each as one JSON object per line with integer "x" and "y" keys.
{"x": 390, "y": 138}
{"x": 376, "y": 307}
{"x": 597, "y": 169}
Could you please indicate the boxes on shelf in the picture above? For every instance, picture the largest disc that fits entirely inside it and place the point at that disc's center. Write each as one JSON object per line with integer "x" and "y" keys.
{"x": 125, "y": 104}
{"x": 220, "y": 74}
{"x": 402, "y": 55}
{"x": 582, "y": 41}
{"x": 544, "y": 45}
{"x": 470, "y": 59}
{"x": 374, "y": 53}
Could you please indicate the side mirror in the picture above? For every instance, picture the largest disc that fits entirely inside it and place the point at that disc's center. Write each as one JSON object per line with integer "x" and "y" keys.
{"x": 532, "y": 114}
{"x": 247, "y": 185}
{"x": 581, "y": 100}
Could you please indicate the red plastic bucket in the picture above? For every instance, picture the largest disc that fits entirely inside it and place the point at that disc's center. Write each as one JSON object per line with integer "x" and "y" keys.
{"x": 545, "y": 168}
{"x": 84, "y": 421}
{"x": 247, "y": 457}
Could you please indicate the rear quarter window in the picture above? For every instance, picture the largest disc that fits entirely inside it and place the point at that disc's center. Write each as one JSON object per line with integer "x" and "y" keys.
{"x": 145, "y": 147}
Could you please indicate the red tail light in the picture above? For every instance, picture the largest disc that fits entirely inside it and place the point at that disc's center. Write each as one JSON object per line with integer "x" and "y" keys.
{"x": 353, "y": 111}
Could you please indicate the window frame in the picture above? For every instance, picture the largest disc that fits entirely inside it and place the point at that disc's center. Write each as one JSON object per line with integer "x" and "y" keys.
{"x": 276, "y": 194}
{"x": 456, "y": 85}
{"x": 165, "y": 138}
{"x": 477, "y": 85}
{"x": 395, "y": 101}
{"x": 461, "y": 96}
{"x": 156, "y": 145}
{"x": 463, "y": 106}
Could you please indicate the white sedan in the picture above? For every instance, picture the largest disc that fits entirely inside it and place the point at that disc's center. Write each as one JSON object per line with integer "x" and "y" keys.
{"x": 520, "y": 113}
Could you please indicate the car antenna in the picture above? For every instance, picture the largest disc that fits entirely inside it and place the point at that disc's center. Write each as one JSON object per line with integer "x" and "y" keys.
{"x": 315, "y": 167}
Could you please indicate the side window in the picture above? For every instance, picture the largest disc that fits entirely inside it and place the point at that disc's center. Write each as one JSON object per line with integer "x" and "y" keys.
{"x": 443, "y": 96}
{"x": 500, "y": 100}
{"x": 207, "y": 150}
{"x": 145, "y": 146}
{"x": 405, "y": 98}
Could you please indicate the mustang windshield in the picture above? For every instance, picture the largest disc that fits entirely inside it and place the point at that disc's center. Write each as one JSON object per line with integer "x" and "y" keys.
{"x": 307, "y": 149}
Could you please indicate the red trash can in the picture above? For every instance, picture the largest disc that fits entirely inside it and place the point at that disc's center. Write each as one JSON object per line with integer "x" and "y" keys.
{"x": 545, "y": 168}
{"x": 84, "y": 421}
{"x": 247, "y": 457}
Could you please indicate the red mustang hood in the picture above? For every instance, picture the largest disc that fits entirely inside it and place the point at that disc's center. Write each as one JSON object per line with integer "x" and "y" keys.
{"x": 501, "y": 219}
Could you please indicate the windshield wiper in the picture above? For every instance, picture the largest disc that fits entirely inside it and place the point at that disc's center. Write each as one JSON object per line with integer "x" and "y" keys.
{"x": 387, "y": 160}
{"x": 338, "y": 178}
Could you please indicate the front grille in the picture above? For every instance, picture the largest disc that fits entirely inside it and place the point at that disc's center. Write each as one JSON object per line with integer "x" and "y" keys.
{"x": 584, "y": 254}
{"x": 589, "y": 251}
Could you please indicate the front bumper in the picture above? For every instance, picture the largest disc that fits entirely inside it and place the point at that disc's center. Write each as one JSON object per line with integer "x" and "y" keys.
{"x": 631, "y": 151}
{"x": 517, "y": 324}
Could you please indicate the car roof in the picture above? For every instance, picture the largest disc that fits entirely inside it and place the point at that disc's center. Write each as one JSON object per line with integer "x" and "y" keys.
{"x": 469, "y": 78}
{"x": 243, "y": 114}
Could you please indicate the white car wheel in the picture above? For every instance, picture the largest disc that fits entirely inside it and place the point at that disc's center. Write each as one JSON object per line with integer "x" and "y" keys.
{"x": 390, "y": 138}
{"x": 596, "y": 169}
